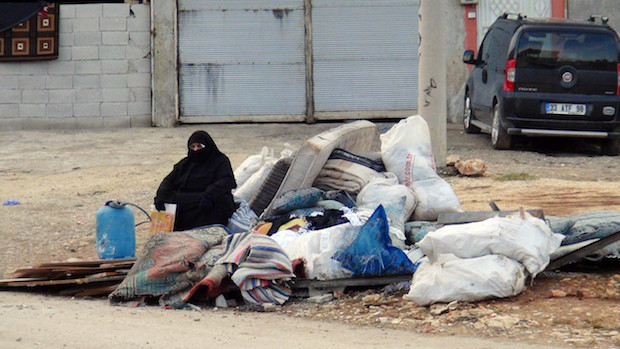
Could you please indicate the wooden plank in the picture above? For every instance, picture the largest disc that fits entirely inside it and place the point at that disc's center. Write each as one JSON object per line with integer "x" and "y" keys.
{"x": 350, "y": 282}
{"x": 79, "y": 281}
{"x": 53, "y": 272}
{"x": 469, "y": 217}
{"x": 583, "y": 252}
{"x": 89, "y": 290}
{"x": 90, "y": 263}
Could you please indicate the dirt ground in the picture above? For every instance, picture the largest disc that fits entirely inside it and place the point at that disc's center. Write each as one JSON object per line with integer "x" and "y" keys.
{"x": 61, "y": 178}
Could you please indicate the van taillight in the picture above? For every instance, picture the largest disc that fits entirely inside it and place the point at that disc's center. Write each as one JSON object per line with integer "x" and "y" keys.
{"x": 511, "y": 71}
{"x": 618, "y": 87}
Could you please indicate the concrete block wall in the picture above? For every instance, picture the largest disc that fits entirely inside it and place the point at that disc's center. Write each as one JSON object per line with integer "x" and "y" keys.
{"x": 102, "y": 77}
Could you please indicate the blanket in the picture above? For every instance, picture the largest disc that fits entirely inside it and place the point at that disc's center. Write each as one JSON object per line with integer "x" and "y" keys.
{"x": 345, "y": 175}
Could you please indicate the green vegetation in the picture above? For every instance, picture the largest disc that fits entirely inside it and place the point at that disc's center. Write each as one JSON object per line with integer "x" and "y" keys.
{"x": 515, "y": 177}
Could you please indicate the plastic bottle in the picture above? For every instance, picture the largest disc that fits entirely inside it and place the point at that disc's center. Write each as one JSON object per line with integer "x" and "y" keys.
{"x": 116, "y": 234}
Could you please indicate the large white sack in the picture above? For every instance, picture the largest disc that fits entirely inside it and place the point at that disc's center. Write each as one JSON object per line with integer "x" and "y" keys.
{"x": 527, "y": 240}
{"x": 250, "y": 165}
{"x": 317, "y": 248}
{"x": 398, "y": 201}
{"x": 471, "y": 279}
{"x": 434, "y": 196}
{"x": 248, "y": 190}
{"x": 406, "y": 150}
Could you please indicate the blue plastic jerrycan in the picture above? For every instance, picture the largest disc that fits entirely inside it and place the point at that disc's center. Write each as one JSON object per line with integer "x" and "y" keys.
{"x": 116, "y": 232}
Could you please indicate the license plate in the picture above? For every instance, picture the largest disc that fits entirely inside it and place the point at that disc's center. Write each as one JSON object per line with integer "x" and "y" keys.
{"x": 565, "y": 108}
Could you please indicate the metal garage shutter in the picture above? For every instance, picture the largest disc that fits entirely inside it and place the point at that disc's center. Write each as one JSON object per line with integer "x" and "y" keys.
{"x": 365, "y": 58}
{"x": 241, "y": 60}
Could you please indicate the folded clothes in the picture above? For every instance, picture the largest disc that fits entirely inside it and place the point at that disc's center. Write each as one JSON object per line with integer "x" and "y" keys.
{"x": 345, "y": 175}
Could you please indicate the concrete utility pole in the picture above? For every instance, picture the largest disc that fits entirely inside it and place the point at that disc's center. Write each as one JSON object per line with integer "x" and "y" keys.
{"x": 432, "y": 104}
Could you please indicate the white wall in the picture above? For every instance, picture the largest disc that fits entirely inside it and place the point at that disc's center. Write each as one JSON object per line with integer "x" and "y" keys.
{"x": 102, "y": 77}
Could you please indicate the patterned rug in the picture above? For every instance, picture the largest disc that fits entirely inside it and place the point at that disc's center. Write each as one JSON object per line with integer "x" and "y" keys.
{"x": 33, "y": 38}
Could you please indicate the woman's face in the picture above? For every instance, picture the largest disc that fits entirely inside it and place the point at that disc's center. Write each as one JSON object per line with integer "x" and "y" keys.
{"x": 196, "y": 146}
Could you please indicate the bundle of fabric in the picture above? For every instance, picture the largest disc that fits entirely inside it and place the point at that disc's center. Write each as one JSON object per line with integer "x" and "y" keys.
{"x": 177, "y": 267}
{"x": 347, "y": 171}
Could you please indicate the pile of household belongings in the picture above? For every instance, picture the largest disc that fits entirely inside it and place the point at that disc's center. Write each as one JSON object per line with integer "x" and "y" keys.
{"x": 336, "y": 209}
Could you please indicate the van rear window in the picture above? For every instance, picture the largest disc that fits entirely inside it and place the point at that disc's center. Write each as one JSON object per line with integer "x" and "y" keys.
{"x": 538, "y": 48}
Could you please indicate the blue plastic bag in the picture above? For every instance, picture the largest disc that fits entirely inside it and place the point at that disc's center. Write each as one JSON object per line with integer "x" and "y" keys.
{"x": 372, "y": 253}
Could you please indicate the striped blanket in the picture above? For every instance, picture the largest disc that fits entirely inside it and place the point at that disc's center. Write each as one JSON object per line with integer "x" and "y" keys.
{"x": 256, "y": 264}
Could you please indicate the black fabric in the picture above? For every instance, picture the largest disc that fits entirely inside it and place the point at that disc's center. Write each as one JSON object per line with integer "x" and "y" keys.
{"x": 372, "y": 161}
{"x": 13, "y": 13}
{"x": 329, "y": 218}
{"x": 200, "y": 184}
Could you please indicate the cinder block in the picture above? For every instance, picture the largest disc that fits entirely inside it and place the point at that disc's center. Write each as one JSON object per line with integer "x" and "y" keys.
{"x": 64, "y": 53}
{"x": 87, "y": 39}
{"x": 116, "y": 122}
{"x": 140, "y": 11}
{"x": 86, "y": 109}
{"x": 10, "y": 96}
{"x": 65, "y": 26}
{"x": 138, "y": 24}
{"x": 140, "y": 38}
{"x": 139, "y": 80}
{"x": 10, "y": 68}
{"x": 66, "y": 39}
{"x": 81, "y": 53}
{"x": 140, "y": 65}
{"x": 115, "y": 38}
{"x": 88, "y": 95}
{"x": 36, "y": 124}
{"x": 67, "y": 11}
{"x": 139, "y": 108}
{"x": 34, "y": 68}
{"x": 140, "y": 94}
{"x": 112, "y": 52}
{"x": 61, "y": 68}
{"x": 35, "y": 96}
{"x": 86, "y": 81}
{"x": 116, "y": 66}
{"x": 88, "y": 67}
{"x": 59, "y": 110}
{"x": 88, "y": 11}
{"x": 115, "y": 10}
{"x": 58, "y": 81}
{"x": 114, "y": 80}
{"x": 10, "y": 82}
{"x": 62, "y": 96}
{"x": 85, "y": 25}
{"x": 32, "y": 110}
{"x": 134, "y": 51}
{"x": 89, "y": 122}
{"x": 9, "y": 111}
{"x": 141, "y": 121}
{"x": 31, "y": 82}
{"x": 115, "y": 95}
{"x": 113, "y": 109}
{"x": 113, "y": 24}
{"x": 10, "y": 124}
{"x": 69, "y": 123}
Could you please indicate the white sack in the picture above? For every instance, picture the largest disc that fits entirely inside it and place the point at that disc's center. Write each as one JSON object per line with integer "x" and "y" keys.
{"x": 406, "y": 151}
{"x": 398, "y": 201}
{"x": 250, "y": 165}
{"x": 317, "y": 248}
{"x": 434, "y": 196}
{"x": 528, "y": 241}
{"x": 248, "y": 190}
{"x": 454, "y": 279}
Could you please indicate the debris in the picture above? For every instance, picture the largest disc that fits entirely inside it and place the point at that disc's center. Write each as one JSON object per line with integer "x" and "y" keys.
{"x": 11, "y": 203}
{"x": 371, "y": 299}
{"x": 452, "y": 159}
{"x": 558, "y": 294}
{"x": 473, "y": 167}
{"x": 324, "y": 298}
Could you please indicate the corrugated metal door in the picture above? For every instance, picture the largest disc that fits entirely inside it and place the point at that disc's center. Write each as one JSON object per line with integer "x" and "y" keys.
{"x": 365, "y": 58}
{"x": 241, "y": 60}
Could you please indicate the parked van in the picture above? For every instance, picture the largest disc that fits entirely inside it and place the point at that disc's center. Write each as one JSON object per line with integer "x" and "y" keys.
{"x": 545, "y": 77}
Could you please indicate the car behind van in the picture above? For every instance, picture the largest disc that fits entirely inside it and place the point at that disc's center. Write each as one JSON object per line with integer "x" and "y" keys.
{"x": 545, "y": 77}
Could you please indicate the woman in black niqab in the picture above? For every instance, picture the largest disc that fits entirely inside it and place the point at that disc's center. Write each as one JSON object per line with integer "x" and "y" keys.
{"x": 200, "y": 184}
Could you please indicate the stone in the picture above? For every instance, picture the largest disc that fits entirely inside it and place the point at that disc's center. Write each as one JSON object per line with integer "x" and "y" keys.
{"x": 472, "y": 167}
{"x": 558, "y": 294}
{"x": 320, "y": 299}
{"x": 371, "y": 299}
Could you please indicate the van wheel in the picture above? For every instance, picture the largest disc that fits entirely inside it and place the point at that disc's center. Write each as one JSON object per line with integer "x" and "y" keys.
{"x": 611, "y": 147}
{"x": 499, "y": 137}
{"x": 468, "y": 116}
